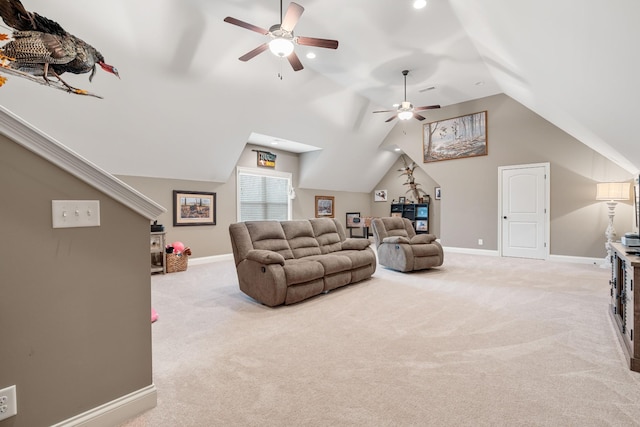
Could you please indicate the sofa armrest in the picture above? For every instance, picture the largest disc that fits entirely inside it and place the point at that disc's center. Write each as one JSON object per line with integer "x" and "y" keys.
{"x": 422, "y": 238}
{"x": 355, "y": 244}
{"x": 396, "y": 239}
{"x": 265, "y": 257}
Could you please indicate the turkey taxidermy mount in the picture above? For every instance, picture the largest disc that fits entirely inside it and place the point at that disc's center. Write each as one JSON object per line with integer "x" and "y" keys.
{"x": 41, "y": 49}
{"x": 282, "y": 38}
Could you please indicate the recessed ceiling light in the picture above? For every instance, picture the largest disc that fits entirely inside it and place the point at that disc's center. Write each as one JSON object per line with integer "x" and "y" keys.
{"x": 419, "y": 4}
{"x": 396, "y": 149}
{"x": 311, "y": 55}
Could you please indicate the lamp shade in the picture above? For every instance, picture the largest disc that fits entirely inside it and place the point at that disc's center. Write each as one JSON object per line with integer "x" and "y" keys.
{"x": 613, "y": 191}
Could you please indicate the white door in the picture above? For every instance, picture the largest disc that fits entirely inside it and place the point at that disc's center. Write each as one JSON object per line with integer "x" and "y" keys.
{"x": 524, "y": 197}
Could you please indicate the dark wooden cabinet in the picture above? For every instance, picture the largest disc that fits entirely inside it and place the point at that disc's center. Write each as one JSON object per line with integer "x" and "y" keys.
{"x": 625, "y": 273}
{"x": 417, "y": 213}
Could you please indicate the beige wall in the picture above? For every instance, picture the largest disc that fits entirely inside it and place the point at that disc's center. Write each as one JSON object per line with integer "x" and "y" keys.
{"x": 468, "y": 210}
{"x": 214, "y": 240}
{"x": 469, "y": 206}
{"x": 74, "y": 303}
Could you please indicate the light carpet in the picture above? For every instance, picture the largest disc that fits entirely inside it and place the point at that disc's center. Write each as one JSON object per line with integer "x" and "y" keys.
{"x": 480, "y": 341}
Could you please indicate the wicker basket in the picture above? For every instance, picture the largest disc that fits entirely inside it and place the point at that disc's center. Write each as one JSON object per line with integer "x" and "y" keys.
{"x": 177, "y": 263}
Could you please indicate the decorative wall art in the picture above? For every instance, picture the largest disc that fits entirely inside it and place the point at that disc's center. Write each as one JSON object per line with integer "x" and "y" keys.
{"x": 456, "y": 138}
{"x": 380, "y": 196}
{"x": 353, "y": 220}
{"x": 325, "y": 207}
{"x": 194, "y": 208}
{"x": 266, "y": 159}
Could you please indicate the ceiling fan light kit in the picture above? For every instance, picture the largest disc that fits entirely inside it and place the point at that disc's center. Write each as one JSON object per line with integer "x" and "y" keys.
{"x": 281, "y": 47}
{"x": 405, "y": 110}
{"x": 282, "y": 39}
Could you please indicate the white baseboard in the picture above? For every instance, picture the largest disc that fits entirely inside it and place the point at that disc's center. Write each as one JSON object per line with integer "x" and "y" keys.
{"x": 117, "y": 411}
{"x": 554, "y": 258}
{"x": 470, "y": 251}
{"x": 576, "y": 259}
{"x": 208, "y": 259}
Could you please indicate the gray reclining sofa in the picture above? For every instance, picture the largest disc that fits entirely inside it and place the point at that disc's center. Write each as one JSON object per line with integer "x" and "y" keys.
{"x": 284, "y": 262}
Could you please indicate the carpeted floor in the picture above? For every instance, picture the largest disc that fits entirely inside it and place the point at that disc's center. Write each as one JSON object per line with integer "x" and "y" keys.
{"x": 481, "y": 341}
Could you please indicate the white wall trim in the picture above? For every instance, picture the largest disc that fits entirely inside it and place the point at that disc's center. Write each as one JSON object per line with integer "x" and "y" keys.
{"x": 210, "y": 259}
{"x": 49, "y": 149}
{"x": 553, "y": 258}
{"x": 576, "y": 259}
{"x": 117, "y": 411}
{"x": 470, "y": 251}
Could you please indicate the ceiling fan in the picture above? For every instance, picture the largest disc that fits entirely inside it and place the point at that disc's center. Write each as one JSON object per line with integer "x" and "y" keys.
{"x": 282, "y": 38}
{"x": 406, "y": 110}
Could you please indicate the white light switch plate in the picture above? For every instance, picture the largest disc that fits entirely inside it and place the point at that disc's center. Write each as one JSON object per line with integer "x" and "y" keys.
{"x": 75, "y": 213}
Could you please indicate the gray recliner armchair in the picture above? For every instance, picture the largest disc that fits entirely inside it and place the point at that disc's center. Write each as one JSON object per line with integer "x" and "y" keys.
{"x": 400, "y": 248}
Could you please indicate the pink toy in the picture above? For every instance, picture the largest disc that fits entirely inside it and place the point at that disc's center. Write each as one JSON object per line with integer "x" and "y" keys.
{"x": 178, "y": 247}
{"x": 154, "y": 315}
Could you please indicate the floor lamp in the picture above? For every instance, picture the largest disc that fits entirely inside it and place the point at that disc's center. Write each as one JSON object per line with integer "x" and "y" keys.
{"x": 611, "y": 192}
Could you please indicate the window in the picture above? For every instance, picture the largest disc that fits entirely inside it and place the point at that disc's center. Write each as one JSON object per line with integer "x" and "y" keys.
{"x": 263, "y": 195}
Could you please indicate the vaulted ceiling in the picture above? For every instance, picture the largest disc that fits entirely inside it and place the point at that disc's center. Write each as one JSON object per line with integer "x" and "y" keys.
{"x": 185, "y": 106}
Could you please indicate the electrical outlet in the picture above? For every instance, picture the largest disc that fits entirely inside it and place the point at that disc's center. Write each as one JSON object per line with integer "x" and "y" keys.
{"x": 75, "y": 213}
{"x": 480, "y": 242}
{"x": 8, "y": 402}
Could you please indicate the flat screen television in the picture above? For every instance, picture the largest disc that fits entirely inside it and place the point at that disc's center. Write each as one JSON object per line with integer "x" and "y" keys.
{"x": 422, "y": 212}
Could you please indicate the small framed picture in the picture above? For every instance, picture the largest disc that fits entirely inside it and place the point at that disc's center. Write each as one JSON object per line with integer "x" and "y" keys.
{"x": 422, "y": 225}
{"x": 402, "y": 200}
{"x": 325, "y": 206}
{"x": 437, "y": 193}
{"x": 353, "y": 220}
{"x": 380, "y": 196}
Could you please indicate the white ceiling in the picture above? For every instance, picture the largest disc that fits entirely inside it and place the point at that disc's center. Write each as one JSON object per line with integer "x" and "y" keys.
{"x": 186, "y": 106}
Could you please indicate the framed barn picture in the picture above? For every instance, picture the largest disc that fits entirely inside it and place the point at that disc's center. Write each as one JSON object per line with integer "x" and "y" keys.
{"x": 194, "y": 208}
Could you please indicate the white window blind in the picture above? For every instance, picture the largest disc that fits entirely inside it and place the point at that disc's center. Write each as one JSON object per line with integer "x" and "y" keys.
{"x": 263, "y": 196}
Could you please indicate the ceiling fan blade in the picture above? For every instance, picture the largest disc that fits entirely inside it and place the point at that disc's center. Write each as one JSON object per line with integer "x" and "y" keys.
{"x": 247, "y": 56}
{"x": 418, "y": 116}
{"x": 384, "y": 111}
{"x": 428, "y": 107}
{"x": 295, "y": 62}
{"x": 312, "y": 41}
{"x": 243, "y": 24}
{"x": 291, "y": 17}
{"x": 391, "y": 118}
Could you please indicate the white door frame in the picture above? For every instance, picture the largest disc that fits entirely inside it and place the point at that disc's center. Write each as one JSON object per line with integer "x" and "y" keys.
{"x": 547, "y": 201}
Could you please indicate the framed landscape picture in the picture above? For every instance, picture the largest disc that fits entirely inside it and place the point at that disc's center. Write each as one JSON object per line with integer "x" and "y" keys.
{"x": 325, "y": 206}
{"x": 456, "y": 138}
{"x": 194, "y": 208}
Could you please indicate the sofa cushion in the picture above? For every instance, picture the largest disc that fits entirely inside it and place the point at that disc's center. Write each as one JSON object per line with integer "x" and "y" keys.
{"x": 356, "y": 244}
{"x": 333, "y": 263}
{"x": 395, "y": 226}
{"x": 301, "y": 238}
{"x": 422, "y": 238}
{"x": 300, "y": 271}
{"x": 327, "y": 235}
{"x": 396, "y": 239}
{"x": 359, "y": 258}
{"x": 269, "y": 235}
